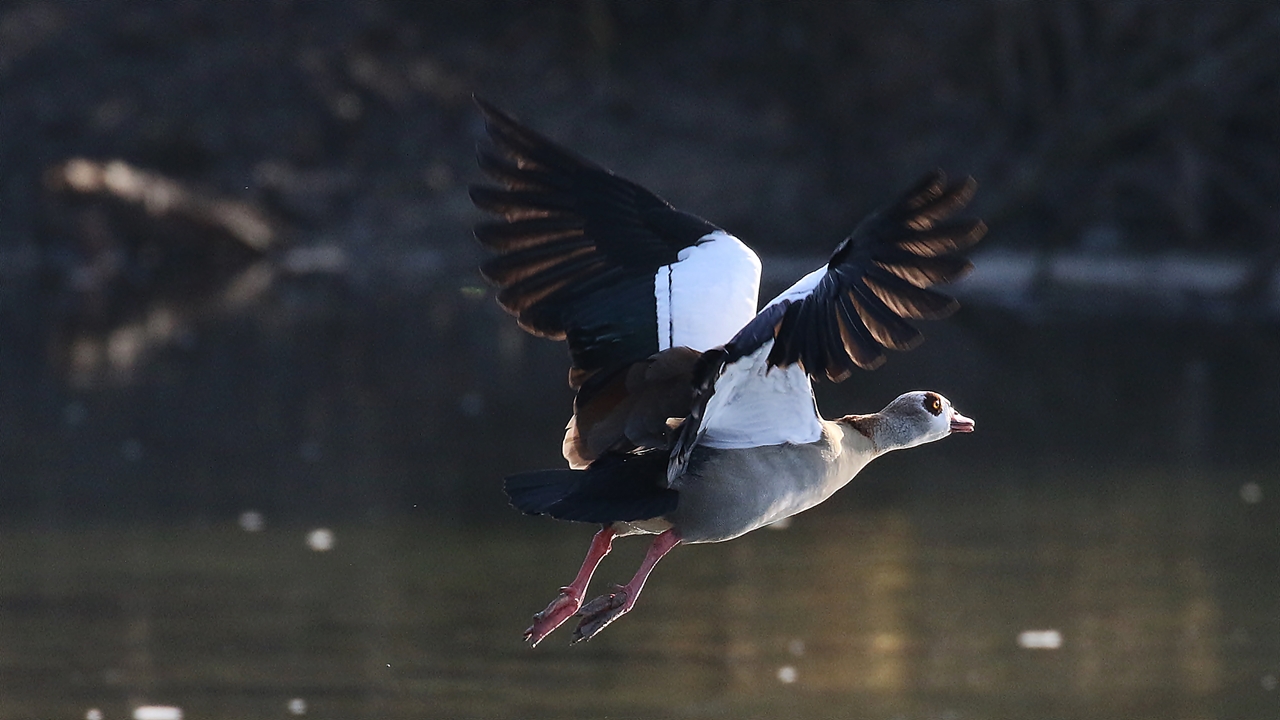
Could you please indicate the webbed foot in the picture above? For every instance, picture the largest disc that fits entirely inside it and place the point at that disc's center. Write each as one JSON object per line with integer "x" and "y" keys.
{"x": 597, "y": 614}
{"x": 553, "y": 616}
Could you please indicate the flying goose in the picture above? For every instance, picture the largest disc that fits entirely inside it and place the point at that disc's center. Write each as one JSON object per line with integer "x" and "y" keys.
{"x": 694, "y": 418}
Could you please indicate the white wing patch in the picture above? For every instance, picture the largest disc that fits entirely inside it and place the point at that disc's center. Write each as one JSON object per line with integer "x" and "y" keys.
{"x": 802, "y": 287}
{"x": 708, "y": 294}
{"x": 754, "y": 406}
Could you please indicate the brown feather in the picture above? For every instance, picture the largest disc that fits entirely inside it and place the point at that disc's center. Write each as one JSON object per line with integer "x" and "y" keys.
{"x": 633, "y": 408}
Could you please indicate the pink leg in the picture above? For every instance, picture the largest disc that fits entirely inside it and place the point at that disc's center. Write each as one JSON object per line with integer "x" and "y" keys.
{"x": 605, "y": 609}
{"x": 570, "y": 597}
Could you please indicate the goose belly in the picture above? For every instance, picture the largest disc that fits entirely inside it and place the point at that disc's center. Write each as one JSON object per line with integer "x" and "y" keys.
{"x": 725, "y": 493}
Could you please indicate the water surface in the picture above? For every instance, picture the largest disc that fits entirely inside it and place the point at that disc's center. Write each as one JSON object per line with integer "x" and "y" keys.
{"x": 1162, "y": 589}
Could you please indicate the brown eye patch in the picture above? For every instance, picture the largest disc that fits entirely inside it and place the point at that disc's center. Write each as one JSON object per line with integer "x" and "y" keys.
{"x": 933, "y": 403}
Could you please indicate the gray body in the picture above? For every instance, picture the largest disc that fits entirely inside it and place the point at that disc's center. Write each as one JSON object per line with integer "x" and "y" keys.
{"x": 725, "y": 493}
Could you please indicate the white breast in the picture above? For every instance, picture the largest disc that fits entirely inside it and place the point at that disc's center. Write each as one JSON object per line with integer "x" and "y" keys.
{"x": 705, "y": 297}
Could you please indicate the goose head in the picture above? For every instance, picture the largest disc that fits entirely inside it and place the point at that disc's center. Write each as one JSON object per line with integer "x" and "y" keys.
{"x": 913, "y": 418}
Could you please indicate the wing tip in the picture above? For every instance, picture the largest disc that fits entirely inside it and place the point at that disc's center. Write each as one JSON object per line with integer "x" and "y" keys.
{"x": 979, "y": 230}
{"x": 896, "y": 254}
{"x": 490, "y": 111}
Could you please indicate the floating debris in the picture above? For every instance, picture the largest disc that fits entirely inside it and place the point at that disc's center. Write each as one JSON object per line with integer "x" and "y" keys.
{"x": 252, "y": 521}
{"x": 157, "y": 712}
{"x": 1040, "y": 639}
{"x": 787, "y": 674}
{"x": 1251, "y": 493}
{"x": 320, "y": 539}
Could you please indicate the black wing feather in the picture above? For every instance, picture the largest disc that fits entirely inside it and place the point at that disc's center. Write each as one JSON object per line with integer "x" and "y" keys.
{"x": 860, "y": 346}
{"x": 509, "y": 237}
{"x": 521, "y": 204}
{"x": 574, "y": 241}
{"x": 536, "y": 287}
{"x": 840, "y": 358}
{"x": 876, "y": 280}
{"x": 517, "y": 177}
{"x": 907, "y": 299}
{"x": 923, "y": 271}
{"x": 888, "y": 329}
{"x": 944, "y": 239}
{"x": 505, "y": 270}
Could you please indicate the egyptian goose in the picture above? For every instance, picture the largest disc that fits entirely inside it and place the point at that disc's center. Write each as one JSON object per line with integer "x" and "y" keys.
{"x": 694, "y": 418}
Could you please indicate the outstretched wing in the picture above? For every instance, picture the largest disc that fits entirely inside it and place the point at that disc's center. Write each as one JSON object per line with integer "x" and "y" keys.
{"x": 636, "y": 287}
{"x": 592, "y": 258}
{"x": 845, "y": 314}
{"x": 839, "y": 317}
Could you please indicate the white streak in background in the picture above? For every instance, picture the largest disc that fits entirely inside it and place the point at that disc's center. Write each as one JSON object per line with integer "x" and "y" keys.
{"x": 708, "y": 294}
{"x": 157, "y": 712}
{"x": 93, "y": 714}
{"x": 801, "y": 288}
{"x": 297, "y": 706}
{"x": 159, "y": 195}
{"x": 252, "y": 521}
{"x": 1040, "y": 639}
{"x": 320, "y": 539}
{"x": 1168, "y": 272}
{"x": 248, "y": 286}
{"x": 754, "y": 406}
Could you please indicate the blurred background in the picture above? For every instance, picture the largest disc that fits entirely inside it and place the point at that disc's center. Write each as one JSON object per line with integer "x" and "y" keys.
{"x": 256, "y": 402}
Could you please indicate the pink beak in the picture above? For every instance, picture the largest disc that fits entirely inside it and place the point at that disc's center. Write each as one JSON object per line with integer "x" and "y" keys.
{"x": 960, "y": 423}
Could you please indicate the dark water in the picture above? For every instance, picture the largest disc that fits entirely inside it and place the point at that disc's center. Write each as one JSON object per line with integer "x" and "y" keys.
{"x": 1163, "y": 590}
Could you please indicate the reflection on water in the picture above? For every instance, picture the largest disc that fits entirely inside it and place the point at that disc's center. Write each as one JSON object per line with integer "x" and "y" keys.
{"x": 1146, "y": 597}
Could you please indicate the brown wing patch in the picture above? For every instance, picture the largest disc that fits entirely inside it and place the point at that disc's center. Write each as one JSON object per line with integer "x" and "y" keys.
{"x": 631, "y": 409}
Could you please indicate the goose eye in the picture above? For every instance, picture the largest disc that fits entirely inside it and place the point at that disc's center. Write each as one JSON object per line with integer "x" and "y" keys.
{"x": 933, "y": 403}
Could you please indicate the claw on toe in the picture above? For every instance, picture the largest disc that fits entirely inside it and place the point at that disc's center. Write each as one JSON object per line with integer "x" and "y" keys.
{"x": 552, "y": 616}
{"x": 597, "y": 614}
